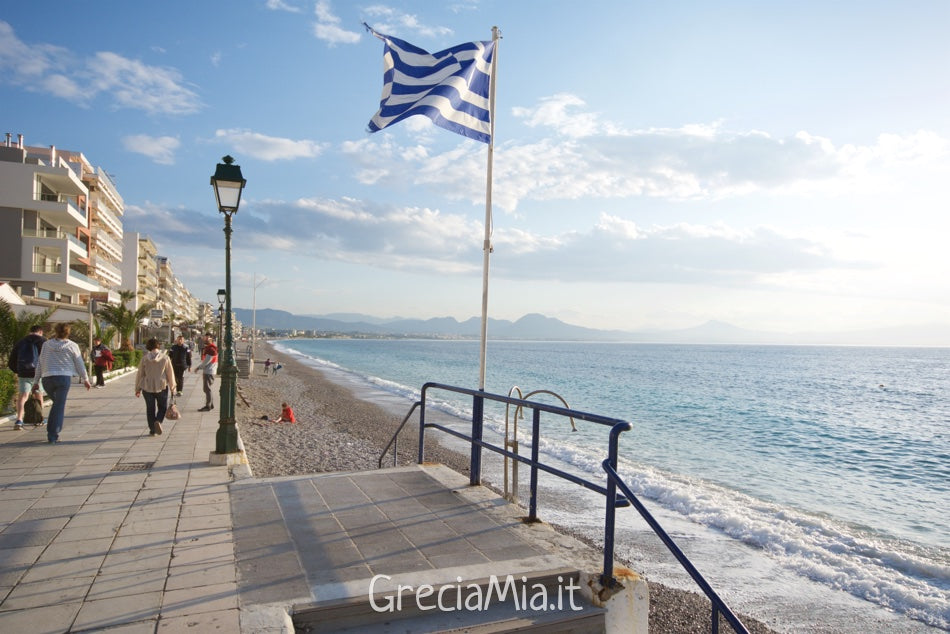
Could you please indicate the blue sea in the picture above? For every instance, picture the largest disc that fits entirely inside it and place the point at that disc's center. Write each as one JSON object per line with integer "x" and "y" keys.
{"x": 809, "y": 484}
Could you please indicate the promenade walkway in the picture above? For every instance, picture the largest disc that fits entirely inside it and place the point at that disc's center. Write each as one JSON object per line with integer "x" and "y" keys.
{"x": 113, "y": 530}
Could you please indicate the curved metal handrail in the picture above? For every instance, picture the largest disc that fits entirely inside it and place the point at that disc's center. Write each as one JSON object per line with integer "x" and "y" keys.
{"x": 393, "y": 440}
{"x": 614, "y": 481}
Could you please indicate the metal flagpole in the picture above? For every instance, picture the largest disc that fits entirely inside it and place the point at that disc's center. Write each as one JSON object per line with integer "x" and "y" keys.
{"x": 486, "y": 247}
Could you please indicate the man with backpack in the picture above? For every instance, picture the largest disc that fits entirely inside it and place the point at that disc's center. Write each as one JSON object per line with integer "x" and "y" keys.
{"x": 22, "y": 361}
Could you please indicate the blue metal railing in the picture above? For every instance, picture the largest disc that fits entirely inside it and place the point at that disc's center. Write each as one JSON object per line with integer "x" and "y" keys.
{"x": 614, "y": 481}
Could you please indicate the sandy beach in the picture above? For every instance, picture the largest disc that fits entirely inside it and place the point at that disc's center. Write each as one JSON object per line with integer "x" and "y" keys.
{"x": 336, "y": 431}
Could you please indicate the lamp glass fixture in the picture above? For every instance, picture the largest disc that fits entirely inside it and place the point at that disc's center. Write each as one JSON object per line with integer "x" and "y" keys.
{"x": 228, "y": 184}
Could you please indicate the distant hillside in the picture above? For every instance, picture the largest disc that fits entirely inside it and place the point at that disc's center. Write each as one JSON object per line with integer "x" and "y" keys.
{"x": 532, "y": 326}
{"x": 539, "y": 327}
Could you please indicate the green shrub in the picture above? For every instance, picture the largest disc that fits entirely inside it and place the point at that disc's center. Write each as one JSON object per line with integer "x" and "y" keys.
{"x": 126, "y": 359}
{"x": 8, "y": 389}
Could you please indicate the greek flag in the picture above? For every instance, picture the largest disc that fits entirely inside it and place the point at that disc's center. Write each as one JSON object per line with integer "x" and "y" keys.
{"x": 450, "y": 87}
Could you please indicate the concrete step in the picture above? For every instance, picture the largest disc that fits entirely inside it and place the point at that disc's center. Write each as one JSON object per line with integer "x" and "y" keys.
{"x": 244, "y": 367}
{"x": 533, "y": 602}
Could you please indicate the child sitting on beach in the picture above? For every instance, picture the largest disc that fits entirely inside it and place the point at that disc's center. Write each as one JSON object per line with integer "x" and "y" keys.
{"x": 286, "y": 414}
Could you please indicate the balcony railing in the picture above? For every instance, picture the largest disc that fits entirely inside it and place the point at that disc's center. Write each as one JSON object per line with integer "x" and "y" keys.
{"x": 105, "y": 215}
{"x": 58, "y": 234}
{"x": 58, "y": 268}
{"x": 60, "y": 198}
{"x": 107, "y": 243}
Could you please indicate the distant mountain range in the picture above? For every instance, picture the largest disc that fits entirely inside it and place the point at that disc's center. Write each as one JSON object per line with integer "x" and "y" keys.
{"x": 539, "y": 327}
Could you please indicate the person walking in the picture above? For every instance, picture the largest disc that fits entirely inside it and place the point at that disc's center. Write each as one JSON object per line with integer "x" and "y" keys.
{"x": 22, "y": 361}
{"x": 209, "y": 363}
{"x": 101, "y": 359}
{"x": 154, "y": 380}
{"x": 180, "y": 354}
{"x": 59, "y": 361}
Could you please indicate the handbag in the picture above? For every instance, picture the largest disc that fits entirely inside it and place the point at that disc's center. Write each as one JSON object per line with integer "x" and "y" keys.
{"x": 33, "y": 410}
{"x": 173, "y": 413}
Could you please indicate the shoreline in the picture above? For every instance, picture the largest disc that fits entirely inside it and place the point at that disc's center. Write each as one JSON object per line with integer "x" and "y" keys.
{"x": 337, "y": 431}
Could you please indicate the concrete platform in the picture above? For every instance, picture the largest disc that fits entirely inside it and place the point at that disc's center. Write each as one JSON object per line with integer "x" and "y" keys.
{"x": 113, "y": 530}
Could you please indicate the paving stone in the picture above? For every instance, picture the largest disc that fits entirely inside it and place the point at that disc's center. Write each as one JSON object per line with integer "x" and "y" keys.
{"x": 222, "y": 622}
{"x": 212, "y": 598}
{"x": 24, "y": 539}
{"x": 50, "y": 619}
{"x": 108, "y": 585}
{"x": 47, "y": 592}
{"x": 104, "y": 613}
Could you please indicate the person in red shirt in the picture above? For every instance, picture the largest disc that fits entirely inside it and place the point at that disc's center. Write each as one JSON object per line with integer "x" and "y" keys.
{"x": 208, "y": 365}
{"x": 286, "y": 414}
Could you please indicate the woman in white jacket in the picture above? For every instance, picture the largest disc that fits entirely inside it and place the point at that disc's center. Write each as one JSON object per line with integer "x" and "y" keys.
{"x": 155, "y": 379}
{"x": 60, "y": 360}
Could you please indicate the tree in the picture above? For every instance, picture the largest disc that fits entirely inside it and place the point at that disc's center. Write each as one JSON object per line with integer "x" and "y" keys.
{"x": 80, "y": 334}
{"x": 124, "y": 319}
{"x": 14, "y": 327}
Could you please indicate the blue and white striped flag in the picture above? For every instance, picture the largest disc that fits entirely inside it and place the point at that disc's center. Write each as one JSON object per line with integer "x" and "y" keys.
{"x": 450, "y": 87}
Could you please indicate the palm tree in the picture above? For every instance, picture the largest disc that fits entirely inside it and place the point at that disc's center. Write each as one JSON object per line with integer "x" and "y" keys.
{"x": 14, "y": 327}
{"x": 123, "y": 319}
{"x": 80, "y": 334}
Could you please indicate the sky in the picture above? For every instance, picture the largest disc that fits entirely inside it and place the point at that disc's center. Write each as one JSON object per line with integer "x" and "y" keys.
{"x": 779, "y": 166}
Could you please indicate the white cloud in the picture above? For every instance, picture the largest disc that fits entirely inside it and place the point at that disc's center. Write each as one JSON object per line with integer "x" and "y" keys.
{"x": 425, "y": 239}
{"x": 393, "y": 22}
{"x": 160, "y": 149}
{"x": 553, "y": 112}
{"x": 268, "y": 148}
{"x": 690, "y": 163}
{"x": 58, "y": 71}
{"x": 280, "y": 5}
{"x": 328, "y": 29}
{"x": 137, "y": 85}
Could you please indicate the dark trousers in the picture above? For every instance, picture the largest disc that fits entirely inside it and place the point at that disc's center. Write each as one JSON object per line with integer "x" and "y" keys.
{"x": 99, "y": 380}
{"x": 179, "y": 376}
{"x": 57, "y": 387}
{"x": 207, "y": 382}
{"x": 155, "y": 405}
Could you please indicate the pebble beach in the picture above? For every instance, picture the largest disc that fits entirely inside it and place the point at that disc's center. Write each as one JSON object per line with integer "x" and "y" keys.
{"x": 336, "y": 431}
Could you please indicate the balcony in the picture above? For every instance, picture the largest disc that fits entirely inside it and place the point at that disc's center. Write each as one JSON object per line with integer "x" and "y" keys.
{"x": 107, "y": 244}
{"x": 107, "y": 188}
{"x": 61, "y": 209}
{"x": 50, "y": 238}
{"x": 61, "y": 279}
{"x": 106, "y": 271}
{"x": 108, "y": 219}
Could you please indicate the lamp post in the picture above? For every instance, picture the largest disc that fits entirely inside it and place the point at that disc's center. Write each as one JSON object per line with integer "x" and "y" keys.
{"x": 254, "y": 318}
{"x": 222, "y": 297}
{"x": 228, "y": 184}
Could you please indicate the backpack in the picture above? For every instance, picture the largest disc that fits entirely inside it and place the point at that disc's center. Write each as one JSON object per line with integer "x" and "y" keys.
{"x": 33, "y": 410}
{"x": 27, "y": 356}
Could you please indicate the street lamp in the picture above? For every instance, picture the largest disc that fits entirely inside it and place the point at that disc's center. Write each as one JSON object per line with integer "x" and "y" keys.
{"x": 228, "y": 184}
{"x": 254, "y": 318}
{"x": 222, "y": 297}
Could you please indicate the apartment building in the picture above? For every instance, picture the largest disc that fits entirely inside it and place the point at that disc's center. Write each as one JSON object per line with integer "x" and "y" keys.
{"x": 173, "y": 297}
{"x": 62, "y": 240}
{"x": 44, "y": 225}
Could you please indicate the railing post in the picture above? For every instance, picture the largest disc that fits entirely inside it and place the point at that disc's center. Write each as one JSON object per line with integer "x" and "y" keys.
{"x": 422, "y": 427}
{"x": 478, "y": 413}
{"x": 611, "y": 512}
{"x": 535, "y": 449}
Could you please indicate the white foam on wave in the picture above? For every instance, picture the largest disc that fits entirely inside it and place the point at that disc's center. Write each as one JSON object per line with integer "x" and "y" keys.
{"x": 906, "y": 578}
